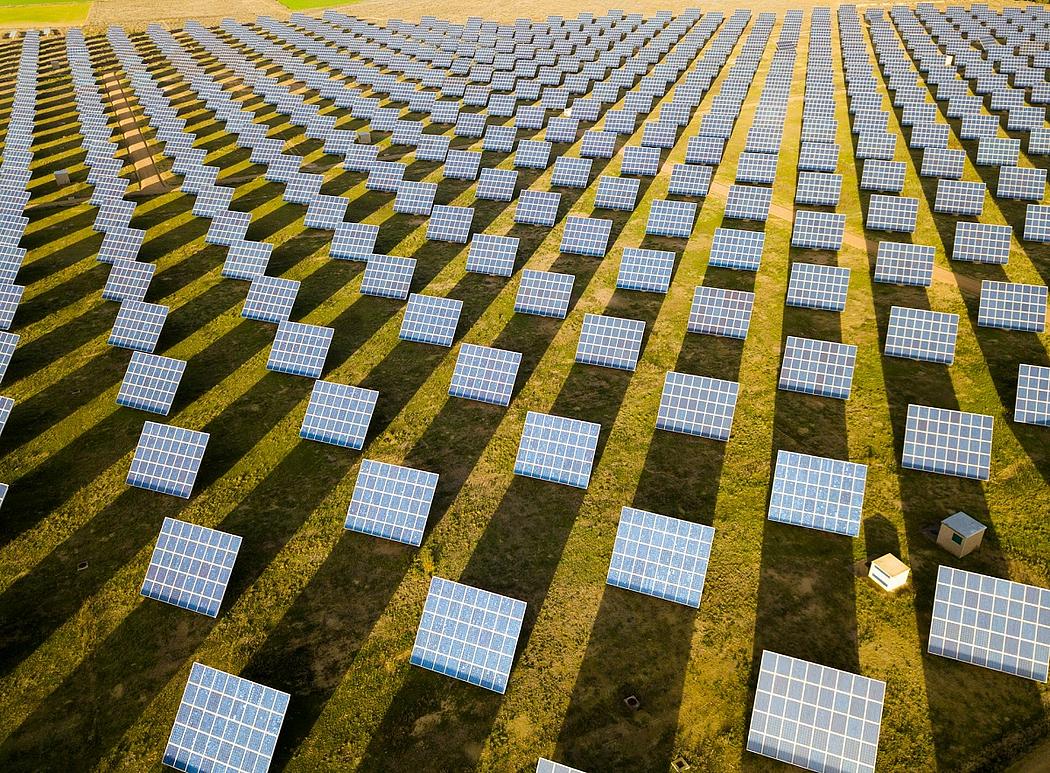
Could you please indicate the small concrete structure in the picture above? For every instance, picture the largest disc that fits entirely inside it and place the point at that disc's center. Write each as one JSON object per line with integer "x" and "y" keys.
{"x": 960, "y": 534}
{"x": 888, "y": 572}
{"x": 363, "y": 137}
{"x": 62, "y": 177}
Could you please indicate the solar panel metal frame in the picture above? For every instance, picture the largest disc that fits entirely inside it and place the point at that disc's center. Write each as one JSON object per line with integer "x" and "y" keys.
{"x": 818, "y": 189}
{"x": 128, "y": 280}
{"x": 690, "y": 180}
{"x": 557, "y": 449}
{"x": 469, "y": 634}
{"x": 673, "y": 219}
{"x": 892, "y": 213}
{"x": 450, "y": 224}
{"x": 720, "y": 312}
{"x": 353, "y": 241}
{"x": 947, "y": 442}
{"x": 190, "y": 566}
{"x": 995, "y": 623}
{"x": 816, "y": 367}
{"x": 816, "y": 286}
{"x": 300, "y": 349}
{"x": 485, "y": 374}
{"x": 167, "y": 459}
{"x": 571, "y": 172}
{"x": 150, "y": 382}
{"x": 818, "y": 493}
{"x": 214, "y": 699}
{"x": 1021, "y": 183}
{"x": 883, "y": 176}
{"x": 338, "y": 414}
{"x": 610, "y": 342}
{"x": 697, "y": 405}
{"x": 496, "y": 184}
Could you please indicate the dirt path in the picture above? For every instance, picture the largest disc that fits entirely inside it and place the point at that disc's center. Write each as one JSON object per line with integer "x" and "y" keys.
{"x": 148, "y": 174}
{"x": 941, "y": 274}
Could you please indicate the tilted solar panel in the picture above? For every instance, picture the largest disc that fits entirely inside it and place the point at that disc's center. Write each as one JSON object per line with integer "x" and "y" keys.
{"x": 388, "y": 276}
{"x": 611, "y": 342}
{"x": 537, "y": 208}
{"x": 300, "y": 349}
{"x": 619, "y": 193}
{"x": 354, "y": 241}
{"x": 737, "y": 249}
{"x": 920, "y": 334}
{"x": 544, "y": 293}
{"x": 128, "y": 280}
{"x": 338, "y": 414}
{"x": 818, "y": 230}
{"x": 150, "y": 382}
{"x": 748, "y": 202}
{"x": 270, "y": 299}
{"x": 818, "y": 493}
{"x": 167, "y": 459}
{"x": 715, "y": 311}
{"x": 430, "y": 320}
{"x": 247, "y": 260}
{"x": 671, "y": 218}
{"x": 138, "y": 325}
{"x": 391, "y": 502}
{"x": 646, "y": 270}
{"x": 450, "y": 224}
{"x": 697, "y": 405}
{"x": 485, "y": 374}
{"x": 191, "y": 566}
{"x": 892, "y": 213}
{"x": 1012, "y": 306}
{"x": 586, "y": 236}
{"x": 815, "y": 286}
{"x": 823, "y": 368}
{"x": 557, "y": 449}
{"x": 1032, "y": 405}
{"x": 948, "y": 442}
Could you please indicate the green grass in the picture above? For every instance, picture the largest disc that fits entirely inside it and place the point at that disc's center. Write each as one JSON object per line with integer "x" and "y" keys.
{"x": 30, "y": 13}
{"x": 92, "y": 673}
{"x": 304, "y": 5}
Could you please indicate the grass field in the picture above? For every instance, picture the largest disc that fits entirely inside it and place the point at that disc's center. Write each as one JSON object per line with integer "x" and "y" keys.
{"x": 303, "y": 5}
{"x": 38, "y": 13}
{"x": 91, "y": 673}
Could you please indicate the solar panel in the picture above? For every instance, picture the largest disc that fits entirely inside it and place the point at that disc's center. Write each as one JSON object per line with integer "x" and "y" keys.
{"x": 537, "y": 208}
{"x": 128, "y": 280}
{"x": 571, "y": 172}
{"x": 388, "y": 276}
{"x": 544, "y": 293}
{"x": 1032, "y": 405}
{"x": 247, "y": 260}
{"x": 611, "y": 342}
{"x": 818, "y": 157}
{"x": 532, "y": 154}
{"x": 919, "y": 334}
{"x": 955, "y": 197}
{"x": 997, "y": 151}
{"x": 904, "y": 264}
{"x": 391, "y": 502}
{"x": 1024, "y": 183}
{"x": 8, "y": 342}
{"x": 338, "y": 414}
{"x": 225, "y": 723}
{"x": 270, "y": 299}
{"x": 499, "y": 139}
{"x": 991, "y": 622}
{"x": 818, "y": 189}
{"x": 485, "y": 374}
{"x": 948, "y": 442}
{"x": 671, "y": 218}
{"x": 450, "y": 224}
{"x": 598, "y": 144}
{"x": 300, "y": 349}
{"x": 818, "y": 493}
{"x": 557, "y": 449}
{"x": 823, "y": 368}
{"x": 586, "y": 236}
{"x": 690, "y": 180}
{"x": 191, "y": 566}
{"x": 385, "y": 176}
{"x": 462, "y": 165}
{"x": 3, "y": 493}
{"x": 815, "y": 717}
{"x": 228, "y": 227}
{"x": 879, "y": 175}
{"x": 756, "y": 168}
{"x": 496, "y": 184}
{"x": 813, "y": 286}
{"x": 150, "y": 382}
{"x": 1037, "y": 223}
{"x": 138, "y": 325}
{"x": 697, "y": 405}
{"x": 640, "y": 160}
{"x": 415, "y": 198}
{"x": 619, "y": 193}
{"x": 818, "y": 230}
{"x": 325, "y": 212}
{"x": 737, "y": 249}
{"x": 660, "y": 556}
{"x": 1012, "y": 306}
{"x": 748, "y": 202}
{"x": 492, "y": 254}
{"x": 468, "y": 634}
{"x": 719, "y": 312}
{"x": 167, "y": 459}
{"x": 430, "y": 320}
{"x": 892, "y": 213}
{"x": 943, "y": 162}
{"x": 646, "y": 270}
{"x": 353, "y": 241}
{"x": 543, "y": 765}
{"x": 6, "y": 406}
{"x": 981, "y": 243}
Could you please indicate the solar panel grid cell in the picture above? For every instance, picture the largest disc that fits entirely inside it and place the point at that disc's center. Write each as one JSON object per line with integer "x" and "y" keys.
{"x": 815, "y": 286}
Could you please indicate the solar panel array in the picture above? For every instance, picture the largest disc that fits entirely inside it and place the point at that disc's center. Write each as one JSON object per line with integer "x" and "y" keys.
{"x": 468, "y": 633}
{"x": 338, "y": 414}
{"x": 814, "y": 286}
{"x": 612, "y": 342}
{"x": 167, "y": 459}
{"x": 1032, "y": 405}
{"x": 660, "y": 556}
{"x": 823, "y": 368}
{"x": 919, "y": 334}
{"x": 150, "y": 383}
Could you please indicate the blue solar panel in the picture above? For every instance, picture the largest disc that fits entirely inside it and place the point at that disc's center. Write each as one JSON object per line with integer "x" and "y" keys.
{"x": 892, "y": 213}
{"x": 354, "y": 241}
{"x": 1033, "y": 395}
{"x": 492, "y": 254}
{"x": 586, "y": 236}
{"x": 719, "y": 312}
{"x": 430, "y": 320}
{"x": 646, "y": 270}
{"x": 339, "y": 414}
{"x": 300, "y": 349}
{"x": 496, "y": 184}
{"x": 450, "y": 224}
{"x": 982, "y": 243}
{"x": 737, "y": 249}
{"x": 814, "y": 286}
{"x": 814, "y": 367}
{"x": 167, "y": 459}
{"x": 391, "y": 502}
{"x": 919, "y": 334}
{"x": 225, "y": 723}
{"x": 270, "y": 299}
{"x": 697, "y": 405}
{"x": 485, "y": 374}
{"x": 612, "y": 342}
{"x": 818, "y": 493}
{"x": 150, "y": 382}
{"x": 128, "y": 280}
{"x": 660, "y": 556}
{"x": 671, "y": 218}
{"x": 748, "y": 202}
{"x": 557, "y": 449}
{"x": 619, "y": 193}
{"x": 544, "y": 293}
{"x": 247, "y": 260}
{"x": 815, "y": 717}
{"x": 138, "y": 325}
{"x": 191, "y": 566}
{"x": 388, "y": 276}
{"x": 1012, "y": 306}
{"x": 991, "y": 622}
{"x": 6, "y": 405}
{"x": 818, "y": 230}
{"x": 10, "y": 297}
{"x": 468, "y": 634}
{"x": 948, "y": 442}
{"x": 543, "y": 765}
{"x": 904, "y": 264}
{"x": 537, "y": 208}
